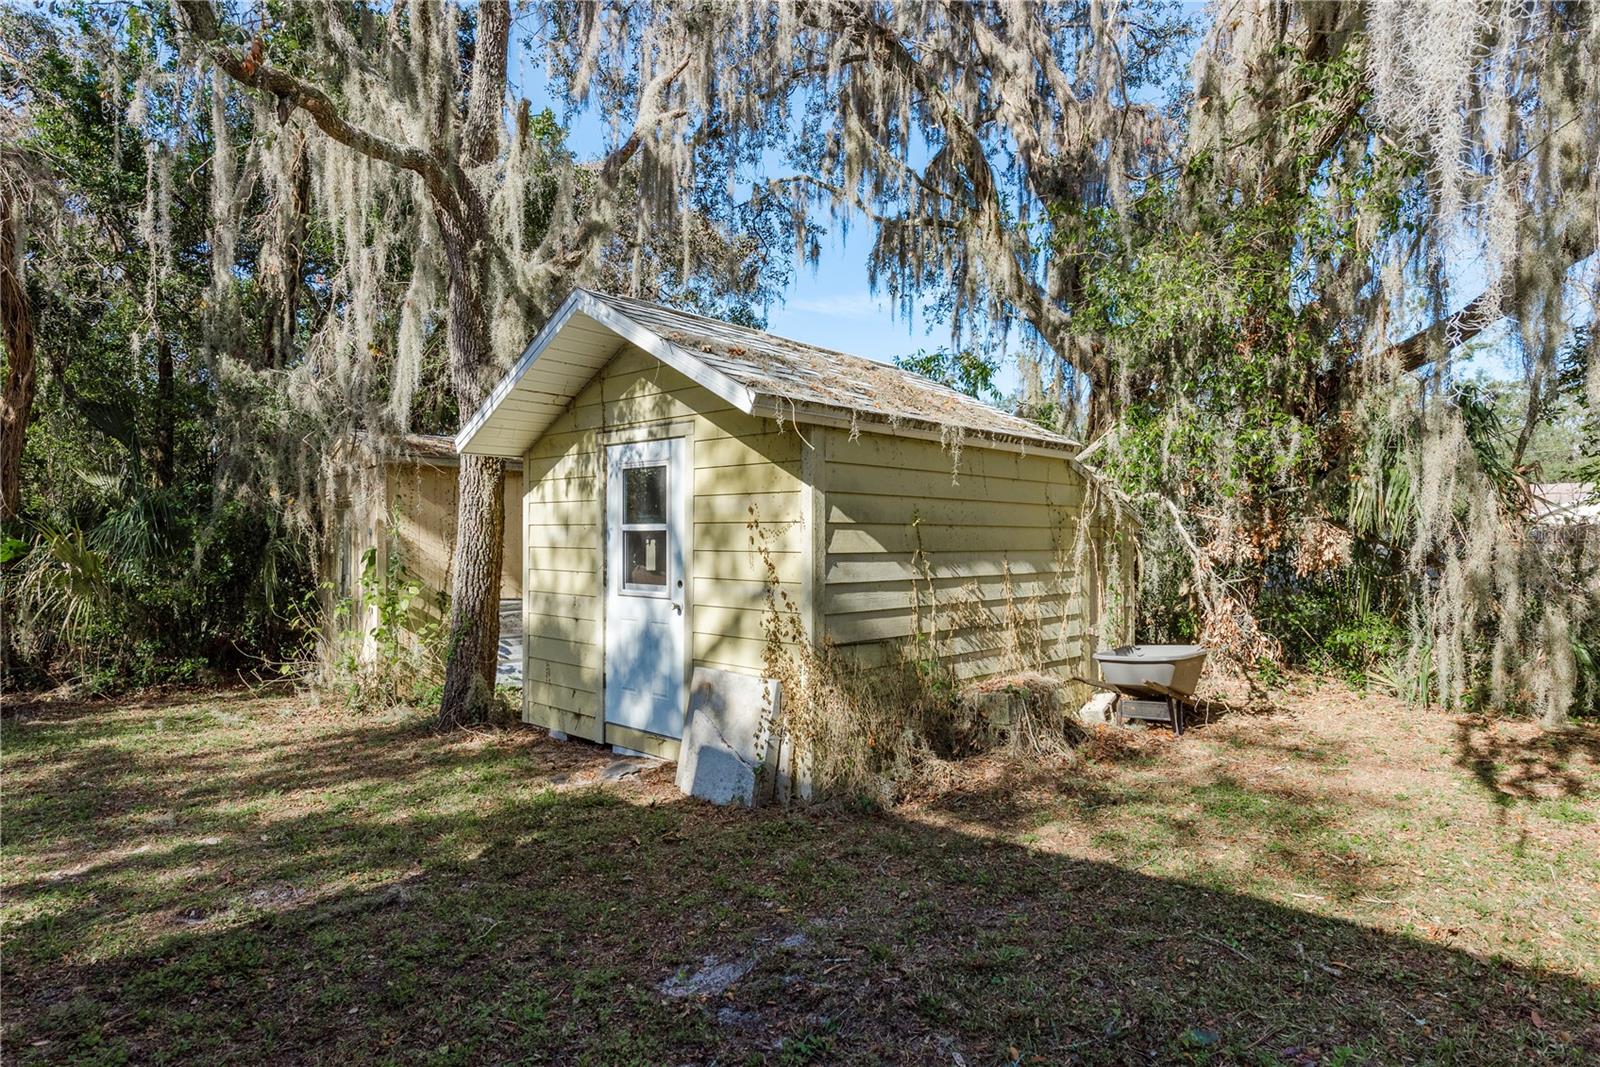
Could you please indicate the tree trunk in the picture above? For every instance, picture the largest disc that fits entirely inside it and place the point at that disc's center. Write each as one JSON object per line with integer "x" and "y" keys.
{"x": 474, "y": 636}
{"x": 474, "y": 633}
{"x": 278, "y": 326}
{"x": 475, "y": 592}
{"x": 166, "y": 412}
{"x": 16, "y": 404}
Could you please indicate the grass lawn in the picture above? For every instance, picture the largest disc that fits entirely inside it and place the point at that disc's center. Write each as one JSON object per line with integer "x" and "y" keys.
{"x": 1324, "y": 878}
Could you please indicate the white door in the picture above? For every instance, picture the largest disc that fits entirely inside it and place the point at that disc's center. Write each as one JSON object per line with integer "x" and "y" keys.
{"x": 647, "y": 496}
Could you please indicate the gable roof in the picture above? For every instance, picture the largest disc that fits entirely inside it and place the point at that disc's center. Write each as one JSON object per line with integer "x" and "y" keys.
{"x": 754, "y": 371}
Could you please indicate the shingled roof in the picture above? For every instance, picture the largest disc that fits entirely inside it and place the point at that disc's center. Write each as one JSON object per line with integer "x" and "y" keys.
{"x": 755, "y": 371}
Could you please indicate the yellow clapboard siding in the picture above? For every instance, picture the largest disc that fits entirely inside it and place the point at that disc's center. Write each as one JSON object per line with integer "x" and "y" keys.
{"x": 901, "y": 596}
{"x": 887, "y": 567}
{"x": 578, "y": 676}
{"x": 572, "y": 646}
{"x": 576, "y": 701}
{"x": 933, "y": 486}
{"x": 561, "y": 535}
{"x": 537, "y": 714}
{"x": 575, "y": 462}
{"x": 930, "y": 537}
{"x": 566, "y": 515}
{"x": 572, "y": 560}
{"x": 731, "y": 422}
{"x": 719, "y": 650}
{"x": 1000, "y": 540}
{"x": 559, "y": 718}
{"x": 890, "y": 623}
{"x": 567, "y": 631}
{"x": 869, "y": 509}
{"x": 746, "y": 623}
{"x": 747, "y": 566}
{"x": 739, "y": 593}
{"x": 563, "y": 583}
{"x": 897, "y": 453}
{"x": 563, "y": 490}
{"x": 736, "y": 451}
{"x": 559, "y": 606}
{"x": 770, "y": 507}
{"x": 736, "y": 536}
{"x": 967, "y": 667}
{"x": 746, "y": 479}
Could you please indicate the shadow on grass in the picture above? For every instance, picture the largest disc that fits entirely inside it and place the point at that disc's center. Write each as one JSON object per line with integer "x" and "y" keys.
{"x": 1185, "y": 820}
{"x": 439, "y": 906}
{"x": 1563, "y": 762}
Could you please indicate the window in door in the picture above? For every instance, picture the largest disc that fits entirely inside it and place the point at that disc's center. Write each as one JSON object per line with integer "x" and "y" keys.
{"x": 644, "y": 530}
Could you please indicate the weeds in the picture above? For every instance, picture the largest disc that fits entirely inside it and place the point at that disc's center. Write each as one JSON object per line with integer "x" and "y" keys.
{"x": 399, "y": 660}
{"x": 875, "y": 728}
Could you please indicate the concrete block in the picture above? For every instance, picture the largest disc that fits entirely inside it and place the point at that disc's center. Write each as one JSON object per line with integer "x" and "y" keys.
{"x": 792, "y": 778}
{"x": 1098, "y": 710}
{"x": 726, "y": 739}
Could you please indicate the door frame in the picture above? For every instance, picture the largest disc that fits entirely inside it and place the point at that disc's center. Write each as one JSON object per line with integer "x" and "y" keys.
{"x": 682, "y": 430}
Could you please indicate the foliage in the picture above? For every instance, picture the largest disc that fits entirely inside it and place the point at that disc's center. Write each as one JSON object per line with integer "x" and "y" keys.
{"x": 1224, "y": 282}
{"x": 399, "y": 660}
{"x": 222, "y": 296}
{"x": 963, "y": 370}
{"x": 876, "y": 723}
{"x": 131, "y": 565}
{"x": 1311, "y": 489}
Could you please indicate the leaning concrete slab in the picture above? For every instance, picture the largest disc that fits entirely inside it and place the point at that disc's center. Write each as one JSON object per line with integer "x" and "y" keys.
{"x": 726, "y": 740}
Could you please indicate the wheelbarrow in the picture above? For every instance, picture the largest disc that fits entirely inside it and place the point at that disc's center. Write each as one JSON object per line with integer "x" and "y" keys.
{"x": 1153, "y": 683}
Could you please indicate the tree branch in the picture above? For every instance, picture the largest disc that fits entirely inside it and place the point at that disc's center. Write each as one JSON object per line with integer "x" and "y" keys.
{"x": 16, "y": 327}
{"x": 480, "y": 139}
{"x": 1574, "y": 233}
{"x": 997, "y": 251}
{"x": 574, "y": 246}
{"x": 200, "y": 20}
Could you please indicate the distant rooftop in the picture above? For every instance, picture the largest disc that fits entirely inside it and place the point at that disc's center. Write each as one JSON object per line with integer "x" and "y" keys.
{"x": 1560, "y": 503}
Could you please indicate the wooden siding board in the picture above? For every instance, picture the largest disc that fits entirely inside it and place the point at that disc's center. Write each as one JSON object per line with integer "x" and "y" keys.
{"x": 933, "y": 486}
{"x": 998, "y": 539}
{"x": 894, "y": 509}
{"x": 879, "y": 450}
{"x": 940, "y": 538}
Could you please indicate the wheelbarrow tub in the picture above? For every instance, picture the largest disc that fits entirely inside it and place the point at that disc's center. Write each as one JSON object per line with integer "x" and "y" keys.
{"x": 1139, "y": 670}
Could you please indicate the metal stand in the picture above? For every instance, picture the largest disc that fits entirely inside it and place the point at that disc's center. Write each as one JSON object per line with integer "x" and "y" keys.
{"x": 1170, "y": 707}
{"x": 1168, "y": 710}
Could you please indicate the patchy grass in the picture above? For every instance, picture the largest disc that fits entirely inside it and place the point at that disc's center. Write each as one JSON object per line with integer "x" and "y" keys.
{"x": 1325, "y": 879}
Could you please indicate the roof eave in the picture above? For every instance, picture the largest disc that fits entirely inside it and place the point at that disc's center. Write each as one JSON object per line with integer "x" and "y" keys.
{"x": 594, "y": 307}
{"x": 1066, "y": 450}
{"x": 782, "y": 408}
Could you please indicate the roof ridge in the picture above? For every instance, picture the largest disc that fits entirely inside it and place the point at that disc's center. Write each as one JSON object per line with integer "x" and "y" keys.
{"x": 726, "y": 325}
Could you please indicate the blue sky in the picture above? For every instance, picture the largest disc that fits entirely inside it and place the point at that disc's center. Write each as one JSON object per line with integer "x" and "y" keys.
{"x": 833, "y": 306}
{"x": 830, "y": 304}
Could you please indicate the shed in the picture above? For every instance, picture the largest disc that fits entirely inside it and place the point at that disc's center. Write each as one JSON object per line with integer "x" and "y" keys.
{"x": 682, "y": 473}
{"x": 397, "y": 499}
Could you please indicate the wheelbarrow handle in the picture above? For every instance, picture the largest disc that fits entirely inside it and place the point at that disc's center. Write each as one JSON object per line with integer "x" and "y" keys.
{"x": 1096, "y": 685}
